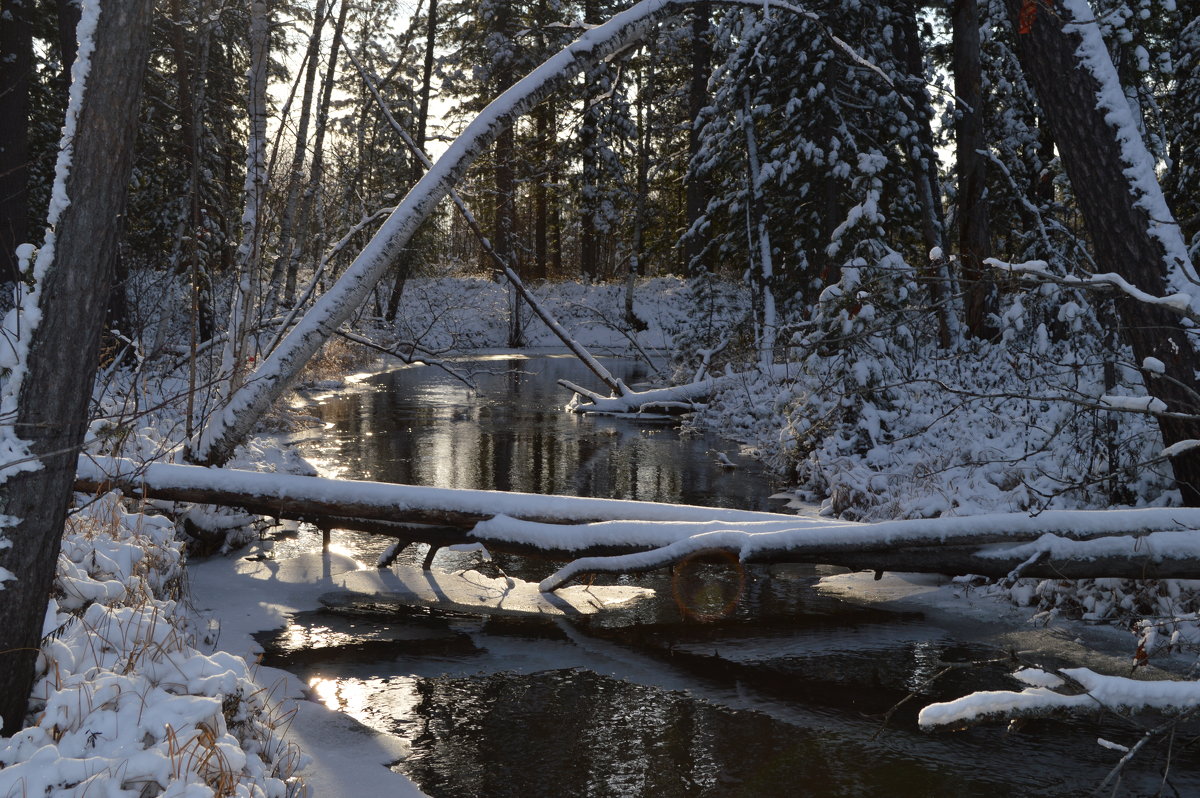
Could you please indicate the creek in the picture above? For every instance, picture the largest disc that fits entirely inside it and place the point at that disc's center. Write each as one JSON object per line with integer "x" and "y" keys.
{"x": 782, "y": 691}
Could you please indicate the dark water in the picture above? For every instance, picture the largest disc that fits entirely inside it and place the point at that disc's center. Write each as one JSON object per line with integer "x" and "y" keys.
{"x": 789, "y": 695}
{"x": 422, "y": 426}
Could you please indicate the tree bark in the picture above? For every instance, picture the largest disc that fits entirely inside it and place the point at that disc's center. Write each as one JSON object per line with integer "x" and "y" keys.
{"x": 1119, "y": 227}
{"x": 974, "y": 239}
{"x": 696, "y": 189}
{"x": 283, "y": 281}
{"x": 53, "y": 396}
{"x": 16, "y": 70}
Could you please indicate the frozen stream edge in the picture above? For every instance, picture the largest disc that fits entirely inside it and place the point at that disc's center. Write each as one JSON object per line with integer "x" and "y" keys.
{"x": 258, "y": 595}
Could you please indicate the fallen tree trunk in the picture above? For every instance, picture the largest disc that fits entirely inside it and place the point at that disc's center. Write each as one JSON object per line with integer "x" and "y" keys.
{"x": 609, "y": 535}
{"x": 393, "y": 510}
{"x": 672, "y": 398}
{"x": 1096, "y": 553}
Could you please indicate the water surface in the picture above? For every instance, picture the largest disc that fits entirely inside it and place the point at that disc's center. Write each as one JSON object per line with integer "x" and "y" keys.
{"x": 791, "y": 693}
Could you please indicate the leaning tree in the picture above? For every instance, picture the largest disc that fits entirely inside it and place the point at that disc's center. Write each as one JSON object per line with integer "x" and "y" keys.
{"x": 51, "y": 340}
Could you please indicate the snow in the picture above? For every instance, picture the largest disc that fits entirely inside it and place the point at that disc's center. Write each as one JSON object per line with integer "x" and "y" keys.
{"x": 1115, "y": 693}
{"x": 1035, "y": 677}
{"x": 125, "y": 699}
{"x": 1133, "y": 404}
{"x": 1180, "y": 447}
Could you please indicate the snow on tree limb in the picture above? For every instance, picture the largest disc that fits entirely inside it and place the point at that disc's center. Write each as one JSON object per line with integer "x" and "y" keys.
{"x": 1110, "y": 692}
{"x": 1181, "y": 303}
{"x": 1066, "y": 543}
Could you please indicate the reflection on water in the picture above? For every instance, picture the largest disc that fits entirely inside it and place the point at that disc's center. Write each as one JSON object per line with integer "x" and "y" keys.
{"x": 420, "y": 426}
{"x": 508, "y": 706}
{"x": 786, "y": 696}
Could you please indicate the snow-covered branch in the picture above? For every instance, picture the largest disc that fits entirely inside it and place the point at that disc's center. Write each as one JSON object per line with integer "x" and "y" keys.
{"x": 1180, "y": 303}
{"x": 1043, "y": 697}
{"x": 676, "y": 396}
{"x": 1127, "y": 543}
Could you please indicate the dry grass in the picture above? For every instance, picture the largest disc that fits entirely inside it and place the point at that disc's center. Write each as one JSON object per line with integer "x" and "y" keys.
{"x": 123, "y": 639}
{"x": 336, "y": 359}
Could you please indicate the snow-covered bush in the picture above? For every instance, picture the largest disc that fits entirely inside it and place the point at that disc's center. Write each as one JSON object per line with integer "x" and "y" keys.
{"x": 126, "y": 703}
{"x": 880, "y": 422}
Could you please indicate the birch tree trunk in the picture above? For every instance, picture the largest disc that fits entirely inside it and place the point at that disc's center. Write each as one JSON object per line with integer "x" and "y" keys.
{"x": 249, "y": 252}
{"x": 52, "y": 395}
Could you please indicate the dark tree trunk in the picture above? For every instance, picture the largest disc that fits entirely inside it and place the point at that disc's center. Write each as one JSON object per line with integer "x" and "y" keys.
{"x": 1119, "y": 229}
{"x": 403, "y": 265}
{"x": 282, "y": 269}
{"x": 504, "y": 154}
{"x": 313, "y": 244}
{"x": 696, "y": 189}
{"x": 427, "y": 74}
{"x": 555, "y": 265}
{"x": 589, "y": 139}
{"x": 545, "y": 146}
{"x": 923, "y": 163}
{"x": 68, "y": 19}
{"x": 16, "y": 70}
{"x": 974, "y": 241}
{"x": 53, "y": 401}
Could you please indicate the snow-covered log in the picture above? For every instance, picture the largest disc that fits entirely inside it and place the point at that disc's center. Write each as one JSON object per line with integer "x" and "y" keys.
{"x": 397, "y": 510}
{"x": 608, "y": 535}
{"x": 1043, "y": 697}
{"x": 629, "y": 401}
{"x": 1148, "y": 543}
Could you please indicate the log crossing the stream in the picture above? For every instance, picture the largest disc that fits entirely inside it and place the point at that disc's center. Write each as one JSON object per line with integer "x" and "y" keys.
{"x": 612, "y": 535}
